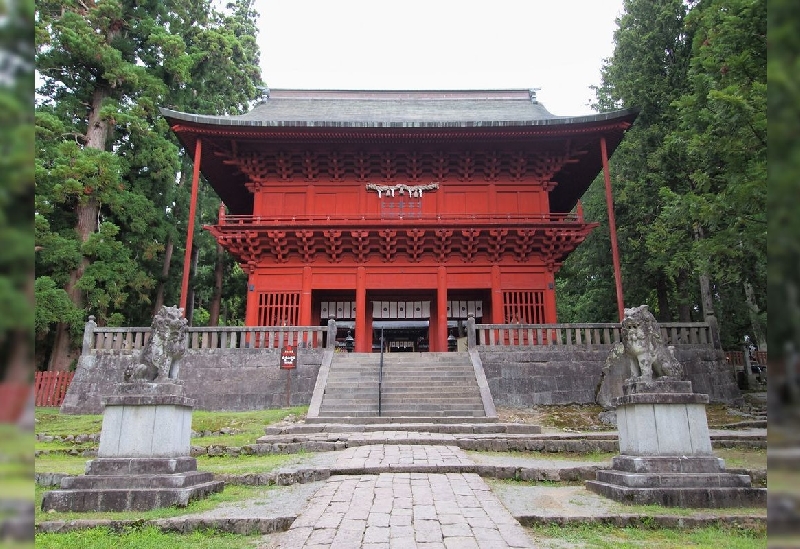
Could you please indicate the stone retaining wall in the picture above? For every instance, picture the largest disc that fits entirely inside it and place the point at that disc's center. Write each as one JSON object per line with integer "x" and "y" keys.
{"x": 543, "y": 375}
{"x": 217, "y": 379}
{"x": 249, "y": 379}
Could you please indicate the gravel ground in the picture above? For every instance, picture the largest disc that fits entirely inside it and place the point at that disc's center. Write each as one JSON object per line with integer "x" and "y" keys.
{"x": 273, "y": 502}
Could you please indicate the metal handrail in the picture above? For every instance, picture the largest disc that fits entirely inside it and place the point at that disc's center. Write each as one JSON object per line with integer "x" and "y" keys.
{"x": 380, "y": 376}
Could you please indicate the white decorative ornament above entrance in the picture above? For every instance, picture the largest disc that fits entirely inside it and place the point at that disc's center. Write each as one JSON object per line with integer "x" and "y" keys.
{"x": 400, "y": 188}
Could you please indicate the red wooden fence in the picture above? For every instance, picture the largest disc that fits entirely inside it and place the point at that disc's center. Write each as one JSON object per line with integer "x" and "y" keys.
{"x": 736, "y": 358}
{"x": 51, "y": 387}
{"x": 12, "y": 400}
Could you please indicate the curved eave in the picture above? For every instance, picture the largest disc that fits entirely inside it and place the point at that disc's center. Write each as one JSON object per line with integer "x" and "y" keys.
{"x": 176, "y": 117}
{"x": 573, "y": 180}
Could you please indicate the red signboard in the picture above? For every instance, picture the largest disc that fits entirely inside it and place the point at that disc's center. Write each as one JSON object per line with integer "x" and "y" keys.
{"x": 288, "y": 359}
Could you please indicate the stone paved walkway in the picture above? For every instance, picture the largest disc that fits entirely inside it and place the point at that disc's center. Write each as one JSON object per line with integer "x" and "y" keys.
{"x": 407, "y": 509}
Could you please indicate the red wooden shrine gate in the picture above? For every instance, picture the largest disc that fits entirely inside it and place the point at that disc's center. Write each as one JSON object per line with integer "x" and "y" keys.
{"x": 400, "y": 210}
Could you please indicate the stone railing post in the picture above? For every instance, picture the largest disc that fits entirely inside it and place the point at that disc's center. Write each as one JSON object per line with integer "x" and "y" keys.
{"x": 331, "y": 343}
{"x": 713, "y": 328}
{"x": 88, "y": 335}
{"x": 471, "y": 331}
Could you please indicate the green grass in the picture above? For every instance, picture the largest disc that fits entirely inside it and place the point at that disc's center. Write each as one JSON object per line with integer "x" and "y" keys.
{"x": 143, "y": 538}
{"x": 588, "y": 536}
{"x": 50, "y": 421}
{"x": 250, "y": 424}
{"x": 743, "y": 458}
{"x": 16, "y": 463}
{"x": 231, "y": 493}
{"x": 76, "y": 465}
{"x": 248, "y": 463}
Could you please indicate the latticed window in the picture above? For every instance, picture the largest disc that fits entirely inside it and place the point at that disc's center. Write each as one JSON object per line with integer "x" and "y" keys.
{"x": 523, "y": 307}
{"x": 278, "y": 308}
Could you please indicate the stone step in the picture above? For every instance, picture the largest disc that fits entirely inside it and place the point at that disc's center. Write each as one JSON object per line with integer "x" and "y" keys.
{"x": 393, "y": 407}
{"x": 429, "y": 396}
{"x": 674, "y": 480}
{"x": 384, "y": 421}
{"x": 126, "y": 499}
{"x": 433, "y": 409}
{"x": 426, "y": 376}
{"x": 180, "y": 480}
{"x": 451, "y": 388}
{"x": 467, "y": 427}
{"x": 714, "y": 497}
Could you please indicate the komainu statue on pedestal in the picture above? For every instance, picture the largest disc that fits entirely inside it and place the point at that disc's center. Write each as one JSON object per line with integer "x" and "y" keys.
{"x": 649, "y": 357}
{"x": 159, "y": 360}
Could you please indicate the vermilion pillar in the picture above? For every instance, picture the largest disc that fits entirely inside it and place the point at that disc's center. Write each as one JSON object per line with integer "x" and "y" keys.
{"x": 305, "y": 298}
{"x": 187, "y": 256}
{"x": 441, "y": 310}
{"x": 612, "y": 230}
{"x": 497, "y": 297}
{"x": 363, "y": 336}
{"x": 550, "y": 309}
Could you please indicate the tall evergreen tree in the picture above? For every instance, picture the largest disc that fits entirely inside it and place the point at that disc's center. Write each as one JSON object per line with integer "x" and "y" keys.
{"x": 16, "y": 155}
{"x": 689, "y": 176}
{"x": 106, "y": 163}
{"x": 647, "y": 71}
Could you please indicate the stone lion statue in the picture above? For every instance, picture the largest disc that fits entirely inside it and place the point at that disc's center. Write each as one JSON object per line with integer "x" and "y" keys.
{"x": 649, "y": 358}
{"x": 159, "y": 359}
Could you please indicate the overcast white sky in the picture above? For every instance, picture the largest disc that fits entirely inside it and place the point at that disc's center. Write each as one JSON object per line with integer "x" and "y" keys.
{"x": 555, "y": 45}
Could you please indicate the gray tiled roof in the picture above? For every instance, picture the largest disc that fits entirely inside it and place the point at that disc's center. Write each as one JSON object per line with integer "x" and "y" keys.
{"x": 340, "y": 108}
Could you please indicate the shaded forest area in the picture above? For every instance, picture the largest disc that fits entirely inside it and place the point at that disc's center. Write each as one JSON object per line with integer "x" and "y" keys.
{"x": 112, "y": 186}
{"x": 690, "y": 177}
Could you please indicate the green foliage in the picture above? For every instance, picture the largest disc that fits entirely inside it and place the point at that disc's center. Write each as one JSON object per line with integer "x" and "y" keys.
{"x": 53, "y": 306}
{"x": 148, "y": 537}
{"x": 595, "y": 536}
{"x": 690, "y": 177}
{"x": 16, "y": 188}
{"x": 109, "y": 196}
{"x": 783, "y": 73}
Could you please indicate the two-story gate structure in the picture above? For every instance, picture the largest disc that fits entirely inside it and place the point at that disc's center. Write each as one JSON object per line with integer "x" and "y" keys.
{"x": 402, "y": 210}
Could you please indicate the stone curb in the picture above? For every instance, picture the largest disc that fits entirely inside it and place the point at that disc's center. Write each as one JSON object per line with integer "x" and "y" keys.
{"x": 494, "y": 444}
{"x": 250, "y": 526}
{"x": 182, "y": 525}
{"x": 501, "y": 472}
{"x": 648, "y": 521}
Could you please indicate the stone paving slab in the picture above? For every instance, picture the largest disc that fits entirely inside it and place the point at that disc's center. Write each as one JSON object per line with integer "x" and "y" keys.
{"x": 563, "y": 504}
{"x": 388, "y": 457}
{"x": 405, "y": 510}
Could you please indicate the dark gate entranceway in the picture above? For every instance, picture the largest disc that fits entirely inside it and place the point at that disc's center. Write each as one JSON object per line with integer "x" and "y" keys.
{"x": 401, "y": 336}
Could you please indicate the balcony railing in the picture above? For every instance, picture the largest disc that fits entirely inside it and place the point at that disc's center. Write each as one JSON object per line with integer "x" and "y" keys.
{"x": 353, "y": 220}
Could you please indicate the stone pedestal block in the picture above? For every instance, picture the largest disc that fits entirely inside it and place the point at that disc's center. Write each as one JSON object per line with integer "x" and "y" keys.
{"x": 666, "y": 455}
{"x": 132, "y": 484}
{"x": 143, "y": 459}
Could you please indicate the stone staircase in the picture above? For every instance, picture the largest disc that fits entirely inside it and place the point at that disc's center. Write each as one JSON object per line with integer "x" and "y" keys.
{"x": 415, "y": 386}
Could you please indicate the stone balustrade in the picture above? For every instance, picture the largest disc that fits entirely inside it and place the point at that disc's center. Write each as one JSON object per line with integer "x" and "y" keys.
{"x": 487, "y": 335}
{"x": 217, "y": 337}
{"x": 588, "y": 334}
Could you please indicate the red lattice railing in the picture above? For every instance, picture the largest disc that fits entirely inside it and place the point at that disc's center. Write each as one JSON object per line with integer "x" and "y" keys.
{"x": 51, "y": 387}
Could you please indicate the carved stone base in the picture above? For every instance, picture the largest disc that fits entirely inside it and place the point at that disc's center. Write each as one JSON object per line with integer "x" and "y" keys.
{"x": 676, "y": 481}
{"x": 132, "y": 484}
{"x": 143, "y": 459}
{"x": 666, "y": 455}
{"x": 146, "y": 420}
{"x": 662, "y": 418}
